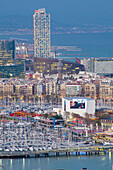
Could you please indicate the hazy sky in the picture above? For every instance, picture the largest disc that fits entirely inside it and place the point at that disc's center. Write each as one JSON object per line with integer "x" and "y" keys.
{"x": 64, "y": 11}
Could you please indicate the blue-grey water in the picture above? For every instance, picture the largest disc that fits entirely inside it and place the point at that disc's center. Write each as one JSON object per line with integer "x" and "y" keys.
{"x": 92, "y": 44}
{"x": 52, "y": 163}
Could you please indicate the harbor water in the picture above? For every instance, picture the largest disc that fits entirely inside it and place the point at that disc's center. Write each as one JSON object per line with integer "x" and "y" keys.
{"x": 98, "y": 162}
{"x": 91, "y": 44}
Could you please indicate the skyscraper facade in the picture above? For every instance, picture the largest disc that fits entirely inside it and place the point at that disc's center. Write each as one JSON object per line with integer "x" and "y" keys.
{"x": 7, "y": 51}
{"x": 41, "y": 24}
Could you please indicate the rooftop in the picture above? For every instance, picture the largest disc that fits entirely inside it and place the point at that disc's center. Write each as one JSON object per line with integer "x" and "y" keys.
{"x": 71, "y": 98}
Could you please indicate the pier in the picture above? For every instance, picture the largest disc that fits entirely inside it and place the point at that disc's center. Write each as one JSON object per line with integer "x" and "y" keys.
{"x": 93, "y": 150}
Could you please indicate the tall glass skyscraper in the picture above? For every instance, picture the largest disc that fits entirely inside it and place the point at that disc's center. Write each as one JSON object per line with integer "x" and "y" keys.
{"x": 41, "y": 24}
{"x": 7, "y": 51}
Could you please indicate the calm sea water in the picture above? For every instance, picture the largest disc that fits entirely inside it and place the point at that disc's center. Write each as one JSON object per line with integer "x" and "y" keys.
{"x": 92, "y": 44}
{"x": 68, "y": 163}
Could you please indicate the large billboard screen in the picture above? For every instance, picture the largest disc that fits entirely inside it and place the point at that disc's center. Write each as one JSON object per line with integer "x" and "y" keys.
{"x": 77, "y": 104}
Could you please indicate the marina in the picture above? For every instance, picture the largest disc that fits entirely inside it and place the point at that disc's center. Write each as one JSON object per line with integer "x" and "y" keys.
{"x": 25, "y": 139}
{"x": 29, "y": 136}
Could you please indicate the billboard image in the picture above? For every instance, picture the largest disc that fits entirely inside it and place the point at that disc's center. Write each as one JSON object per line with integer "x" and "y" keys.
{"x": 77, "y": 104}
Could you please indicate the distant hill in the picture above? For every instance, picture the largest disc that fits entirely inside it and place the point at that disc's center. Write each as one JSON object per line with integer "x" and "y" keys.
{"x": 16, "y": 21}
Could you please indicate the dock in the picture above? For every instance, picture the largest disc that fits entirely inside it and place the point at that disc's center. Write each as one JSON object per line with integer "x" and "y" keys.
{"x": 92, "y": 150}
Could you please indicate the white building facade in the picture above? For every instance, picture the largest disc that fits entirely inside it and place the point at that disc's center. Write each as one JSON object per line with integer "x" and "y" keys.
{"x": 78, "y": 105}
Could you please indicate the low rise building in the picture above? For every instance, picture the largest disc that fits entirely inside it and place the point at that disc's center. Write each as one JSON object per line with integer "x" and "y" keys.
{"x": 73, "y": 89}
{"x": 51, "y": 87}
{"x": 90, "y": 90}
{"x": 6, "y": 90}
{"x": 105, "y": 89}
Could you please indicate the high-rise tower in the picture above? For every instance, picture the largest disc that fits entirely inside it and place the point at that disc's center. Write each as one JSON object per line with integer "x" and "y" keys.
{"x": 41, "y": 24}
{"x": 7, "y": 51}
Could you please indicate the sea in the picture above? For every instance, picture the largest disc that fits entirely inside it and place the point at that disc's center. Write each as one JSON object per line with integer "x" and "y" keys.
{"x": 91, "y": 45}
{"x": 93, "y": 162}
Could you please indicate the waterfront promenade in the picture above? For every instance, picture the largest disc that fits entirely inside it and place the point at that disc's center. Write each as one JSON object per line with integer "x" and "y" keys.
{"x": 90, "y": 150}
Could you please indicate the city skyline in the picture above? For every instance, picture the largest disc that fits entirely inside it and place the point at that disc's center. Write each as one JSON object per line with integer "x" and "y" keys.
{"x": 56, "y": 84}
